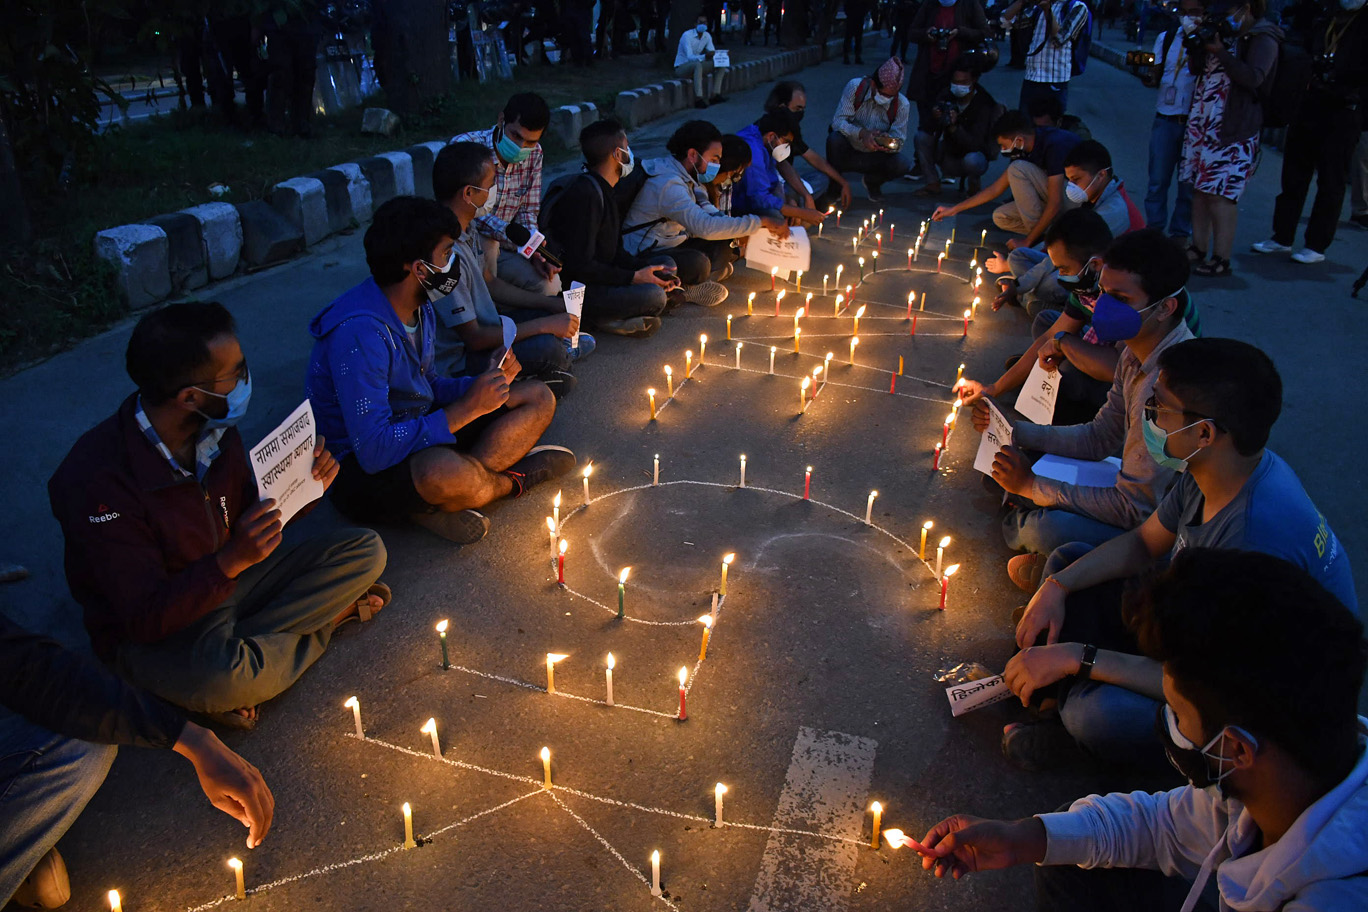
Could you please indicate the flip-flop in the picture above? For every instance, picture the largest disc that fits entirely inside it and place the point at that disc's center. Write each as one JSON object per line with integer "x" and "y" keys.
{"x": 360, "y": 609}
{"x": 231, "y": 719}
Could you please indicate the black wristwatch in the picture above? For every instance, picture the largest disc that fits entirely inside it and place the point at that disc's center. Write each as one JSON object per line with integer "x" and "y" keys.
{"x": 1085, "y": 665}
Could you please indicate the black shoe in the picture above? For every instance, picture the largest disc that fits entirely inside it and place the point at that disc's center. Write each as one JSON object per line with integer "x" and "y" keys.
{"x": 1361, "y": 219}
{"x": 700, "y": 104}
{"x": 561, "y": 382}
{"x": 1036, "y": 746}
{"x": 463, "y": 527}
{"x": 632, "y": 327}
{"x": 541, "y": 463}
{"x": 717, "y": 99}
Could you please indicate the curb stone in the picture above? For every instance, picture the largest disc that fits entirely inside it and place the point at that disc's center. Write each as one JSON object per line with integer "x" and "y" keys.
{"x": 301, "y": 200}
{"x": 221, "y": 234}
{"x": 185, "y": 250}
{"x": 141, "y": 254}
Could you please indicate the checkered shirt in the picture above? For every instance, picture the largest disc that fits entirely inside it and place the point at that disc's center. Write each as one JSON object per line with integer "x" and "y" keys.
{"x": 519, "y": 189}
{"x": 206, "y": 448}
{"x": 1053, "y": 58}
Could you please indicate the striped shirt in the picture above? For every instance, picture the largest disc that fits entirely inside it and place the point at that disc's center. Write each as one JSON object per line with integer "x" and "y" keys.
{"x": 520, "y": 187}
{"x": 206, "y": 448}
{"x": 1051, "y": 59}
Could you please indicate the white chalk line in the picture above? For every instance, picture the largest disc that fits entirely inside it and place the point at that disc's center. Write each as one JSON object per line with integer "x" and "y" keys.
{"x": 613, "y": 851}
{"x": 362, "y": 859}
{"x": 527, "y": 685}
{"x": 868, "y": 389}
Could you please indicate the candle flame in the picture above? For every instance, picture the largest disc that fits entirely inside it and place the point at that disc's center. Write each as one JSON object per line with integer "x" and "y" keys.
{"x": 555, "y": 501}
{"x": 782, "y": 294}
{"x": 751, "y": 296}
{"x": 550, "y": 524}
{"x": 703, "y": 339}
{"x": 720, "y": 789}
{"x": 945, "y": 542}
{"x": 799, "y": 314}
{"x": 669, "y": 371}
{"x": 807, "y": 381}
{"x": 351, "y": 702}
{"x": 442, "y": 626}
{"x": 236, "y": 863}
{"x": 927, "y": 525}
{"x": 815, "y": 371}
{"x": 553, "y": 657}
{"x": 950, "y": 418}
{"x": 854, "y": 340}
{"x": 876, "y": 808}
{"x": 612, "y": 662}
{"x": 876, "y": 254}
{"x": 728, "y": 558}
{"x": 622, "y": 577}
{"x": 860, "y": 312}
{"x": 688, "y": 354}
{"x": 774, "y": 270}
{"x": 114, "y": 899}
{"x": 830, "y": 355}
{"x": 564, "y": 545}
{"x": 588, "y": 470}
{"x": 897, "y": 838}
{"x": 911, "y": 296}
{"x": 683, "y": 676}
{"x": 873, "y": 494}
{"x": 651, "y": 392}
{"x": 705, "y": 620}
{"x": 952, "y": 570}
{"x": 545, "y": 754}
{"x": 655, "y": 857}
{"x": 429, "y": 726}
{"x": 861, "y": 261}
{"x": 966, "y": 313}
{"x": 809, "y": 470}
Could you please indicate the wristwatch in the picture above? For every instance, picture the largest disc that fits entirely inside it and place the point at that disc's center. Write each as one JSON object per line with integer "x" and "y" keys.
{"x": 1085, "y": 665}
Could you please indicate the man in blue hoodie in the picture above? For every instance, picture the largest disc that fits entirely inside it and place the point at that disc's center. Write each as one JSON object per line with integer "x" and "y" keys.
{"x": 761, "y": 189}
{"x": 411, "y": 443}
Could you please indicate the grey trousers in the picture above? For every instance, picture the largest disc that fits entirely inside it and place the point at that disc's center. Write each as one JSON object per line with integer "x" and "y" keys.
{"x": 698, "y": 72}
{"x": 260, "y": 640}
{"x": 514, "y": 270}
{"x": 1029, "y": 192}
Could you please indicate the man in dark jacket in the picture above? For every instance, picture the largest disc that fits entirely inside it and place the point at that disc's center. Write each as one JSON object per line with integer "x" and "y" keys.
{"x": 942, "y": 30}
{"x": 957, "y": 139}
{"x": 62, "y": 716}
{"x": 179, "y": 565}
{"x": 624, "y": 295}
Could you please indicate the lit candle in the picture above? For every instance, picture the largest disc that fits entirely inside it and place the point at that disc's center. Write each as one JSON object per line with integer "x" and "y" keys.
{"x": 916, "y": 250}
{"x": 926, "y": 527}
{"x": 807, "y": 302}
{"x": 774, "y": 272}
{"x": 773, "y": 349}
{"x": 876, "y": 261}
{"x": 945, "y": 431}
{"x": 114, "y": 904}
{"x": 892, "y": 227}
{"x": 651, "y": 393}
{"x": 802, "y": 394}
{"x": 546, "y": 767}
{"x": 683, "y": 679}
{"x": 861, "y": 269}
{"x": 939, "y": 260}
{"x": 555, "y": 510}
{"x": 706, "y": 621}
{"x": 878, "y": 237}
{"x": 855, "y": 340}
{"x": 750, "y": 304}
{"x": 959, "y": 376}
{"x": 826, "y": 278}
{"x": 798, "y": 315}
{"x": 236, "y": 865}
{"x": 947, "y": 243}
{"x": 966, "y": 324}
{"x": 609, "y": 677}
{"x": 430, "y": 728}
{"x": 409, "y": 841}
{"x": 839, "y": 299}
{"x": 954, "y": 413}
{"x": 973, "y": 262}
{"x": 909, "y": 257}
{"x": 743, "y": 470}
{"x": 826, "y": 367}
{"x": 729, "y": 319}
{"x": 983, "y": 237}
{"x": 560, "y": 562}
{"x": 796, "y": 334}
{"x": 850, "y": 295}
{"x": 800, "y": 280}
{"x": 880, "y": 216}
{"x": 839, "y": 213}
{"x": 855, "y": 329}
{"x": 702, "y": 348}
{"x": 807, "y": 484}
{"x": 779, "y": 299}
{"x": 738, "y": 354}
{"x": 551, "y": 528}
{"x": 355, "y": 706}
{"x": 973, "y": 307}
{"x": 726, "y": 562}
{"x": 935, "y": 462}
{"x": 655, "y": 478}
{"x": 911, "y": 297}
{"x": 877, "y": 810}
{"x": 897, "y": 838}
{"x": 840, "y": 267}
{"x": 622, "y": 590}
{"x": 588, "y": 470}
{"x": 441, "y": 635}
{"x": 869, "y": 508}
{"x": 551, "y": 659}
{"x": 669, "y": 382}
{"x": 945, "y": 582}
{"x": 900, "y": 365}
{"x": 655, "y": 873}
{"x": 718, "y": 791}
{"x": 940, "y": 552}
{"x": 816, "y": 376}
{"x": 688, "y": 364}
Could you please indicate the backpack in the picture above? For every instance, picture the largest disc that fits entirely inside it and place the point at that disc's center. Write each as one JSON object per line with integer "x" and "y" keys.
{"x": 552, "y": 195}
{"x": 625, "y": 193}
{"x": 862, "y": 92}
{"x": 1082, "y": 43}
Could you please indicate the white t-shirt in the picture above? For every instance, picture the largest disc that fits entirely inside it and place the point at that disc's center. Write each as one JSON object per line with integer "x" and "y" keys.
{"x": 1175, "y": 86}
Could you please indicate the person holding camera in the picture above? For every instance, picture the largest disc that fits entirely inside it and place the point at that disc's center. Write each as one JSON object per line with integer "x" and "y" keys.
{"x": 957, "y": 137}
{"x": 943, "y": 30}
{"x": 1054, "y": 27}
{"x": 1323, "y": 133}
{"x": 1234, "y": 52}
{"x": 870, "y": 126}
{"x": 1174, "y": 79}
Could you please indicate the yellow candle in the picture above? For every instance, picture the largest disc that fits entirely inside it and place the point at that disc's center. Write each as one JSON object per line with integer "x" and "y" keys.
{"x": 959, "y": 375}
{"x": 706, "y": 621}
{"x": 718, "y": 791}
{"x": 729, "y": 319}
{"x": 241, "y": 885}
{"x": 922, "y": 306}
{"x": 409, "y": 841}
{"x": 926, "y": 527}
{"x": 726, "y": 562}
{"x": 796, "y": 334}
{"x": 800, "y": 280}
{"x": 855, "y": 329}
{"x": 588, "y": 470}
{"x": 651, "y": 392}
{"x": 430, "y": 728}
{"x": 750, "y": 304}
{"x": 688, "y": 364}
{"x": 551, "y": 659}
{"x": 546, "y": 767}
{"x": 798, "y": 315}
{"x": 114, "y": 904}
{"x": 802, "y": 394}
{"x": 702, "y": 349}
{"x": 983, "y": 237}
{"x": 669, "y": 382}
{"x": 877, "y": 810}
{"x": 853, "y": 342}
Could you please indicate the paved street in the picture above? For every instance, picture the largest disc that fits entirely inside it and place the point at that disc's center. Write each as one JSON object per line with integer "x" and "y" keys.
{"x": 816, "y": 696}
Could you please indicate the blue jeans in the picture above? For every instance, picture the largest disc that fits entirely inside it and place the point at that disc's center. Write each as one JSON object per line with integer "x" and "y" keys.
{"x": 1030, "y": 91}
{"x": 1113, "y": 724}
{"x": 46, "y": 781}
{"x": 1041, "y": 531}
{"x": 1165, "y": 151}
{"x": 1037, "y": 279}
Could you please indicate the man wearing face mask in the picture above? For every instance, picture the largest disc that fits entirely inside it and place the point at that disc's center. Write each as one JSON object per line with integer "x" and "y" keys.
{"x": 190, "y": 586}
{"x": 1208, "y": 418}
{"x": 624, "y": 295}
{"x": 965, "y": 24}
{"x": 1175, "y": 81}
{"x": 760, "y": 190}
{"x": 869, "y": 128}
{"x": 791, "y": 96}
{"x": 1258, "y": 669}
{"x": 736, "y": 159}
{"x": 694, "y": 59}
{"x": 956, "y": 136}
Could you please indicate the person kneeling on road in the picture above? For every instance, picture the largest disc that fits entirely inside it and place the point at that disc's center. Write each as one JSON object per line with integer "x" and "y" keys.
{"x": 412, "y": 443}
{"x": 869, "y": 128}
{"x": 761, "y": 190}
{"x": 957, "y": 136}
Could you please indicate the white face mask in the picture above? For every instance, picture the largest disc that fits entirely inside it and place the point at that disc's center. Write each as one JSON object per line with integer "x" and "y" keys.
{"x": 781, "y": 152}
{"x": 882, "y": 100}
{"x": 489, "y": 202}
{"x": 1189, "y": 23}
{"x": 960, "y": 91}
{"x": 1075, "y": 193}
{"x": 630, "y": 162}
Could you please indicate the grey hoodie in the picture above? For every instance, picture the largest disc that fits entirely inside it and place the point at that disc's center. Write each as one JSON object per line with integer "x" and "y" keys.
{"x": 1319, "y": 865}
{"x": 673, "y": 207}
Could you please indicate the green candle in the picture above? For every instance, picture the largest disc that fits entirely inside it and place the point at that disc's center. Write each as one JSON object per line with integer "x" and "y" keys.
{"x": 441, "y": 634}
{"x": 622, "y": 590}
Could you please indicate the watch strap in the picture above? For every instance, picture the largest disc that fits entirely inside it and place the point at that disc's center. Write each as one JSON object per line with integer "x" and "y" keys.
{"x": 1085, "y": 665}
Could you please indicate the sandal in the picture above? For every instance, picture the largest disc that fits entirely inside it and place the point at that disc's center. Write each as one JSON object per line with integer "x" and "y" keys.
{"x": 360, "y": 610}
{"x": 1216, "y": 267}
{"x": 232, "y": 719}
{"x": 1195, "y": 254}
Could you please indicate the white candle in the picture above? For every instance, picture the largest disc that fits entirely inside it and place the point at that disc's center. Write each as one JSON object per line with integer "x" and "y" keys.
{"x": 114, "y": 904}
{"x": 869, "y": 507}
{"x": 855, "y": 340}
{"x": 826, "y": 278}
{"x": 773, "y": 349}
{"x": 546, "y": 767}
{"x": 655, "y": 873}
{"x": 588, "y": 470}
{"x": 669, "y": 382}
{"x": 738, "y": 354}
{"x": 551, "y": 530}
{"x": 802, "y": 394}
{"x": 355, "y": 706}
{"x": 240, "y": 884}
{"x": 555, "y": 511}
{"x": 430, "y": 728}
{"x": 609, "y": 672}
{"x": 940, "y": 553}
{"x": 743, "y": 470}
{"x": 551, "y": 659}
{"x": 718, "y": 791}
{"x": 655, "y": 481}
{"x": 409, "y": 841}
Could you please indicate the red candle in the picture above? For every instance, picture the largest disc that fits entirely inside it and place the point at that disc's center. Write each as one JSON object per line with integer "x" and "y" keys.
{"x": 910, "y": 296}
{"x": 945, "y": 582}
{"x": 914, "y": 324}
{"x": 909, "y": 257}
{"x": 560, "y": 565}
{"x": 940, "y": 259}
{"x": 776, "y": 305}
{"x": 807, "y": 484}
{"x": 966, "y": 324}
{"x": 935, "y": 462}
{"x": 772, "y": 274}
{"x": 684, "y": 677}
{"x": 893, "y": 384}
{"x": 890, "y": 230}
{"x": 945, "y": 433}
{"x": 880, "y": 242}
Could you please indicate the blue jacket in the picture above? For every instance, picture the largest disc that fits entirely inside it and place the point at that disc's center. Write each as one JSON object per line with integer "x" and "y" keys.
{"x": 760, "y": 188}
{"x": 373, "y": 395}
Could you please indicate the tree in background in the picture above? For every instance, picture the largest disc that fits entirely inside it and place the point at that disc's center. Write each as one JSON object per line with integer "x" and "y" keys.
{"x": 412, "y": 59}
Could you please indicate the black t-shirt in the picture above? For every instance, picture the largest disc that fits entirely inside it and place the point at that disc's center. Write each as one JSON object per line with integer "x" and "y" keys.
{"x": 798, "y": 147}
{"x": 1052, "y": 146}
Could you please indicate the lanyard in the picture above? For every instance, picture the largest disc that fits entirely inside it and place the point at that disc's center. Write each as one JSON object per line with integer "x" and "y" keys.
{"x": 1333, "y": 35}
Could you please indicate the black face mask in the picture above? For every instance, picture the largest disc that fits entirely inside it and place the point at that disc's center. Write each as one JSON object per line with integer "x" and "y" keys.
{"x": 1192, "y": 761}
{"x": 1083, "y": 283}
{"x": 798, "y": 115}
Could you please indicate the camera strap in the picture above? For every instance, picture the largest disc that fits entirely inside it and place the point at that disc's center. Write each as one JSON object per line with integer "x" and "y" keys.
{"x": 1333, "y": 35}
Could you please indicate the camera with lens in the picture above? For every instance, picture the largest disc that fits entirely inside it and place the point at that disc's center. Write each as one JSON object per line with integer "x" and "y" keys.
{"x": 1213, "y": 27}
{"x": 941, "y": 36}
{"x": 1323, "y": 67}
{"x": 946, "y": 111}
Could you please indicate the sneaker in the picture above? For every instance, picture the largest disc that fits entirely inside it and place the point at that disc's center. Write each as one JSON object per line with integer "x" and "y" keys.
{"x": 1025, "y": 571}
{"x": 725, "y": 273}
{"x": 1308, "y": 256}
{"x": 561, "y": 383}
{"x": 542, "y": 463}
{"x": 584, "y": 349}
{"x": 47, "y": 886}
{"x": 706, "y": 294}
{"x": 1270, "y": 246}
{"x": 1036, "y": 746}
{"x": 464, "y": 527}
{"x": 632, "y": 327}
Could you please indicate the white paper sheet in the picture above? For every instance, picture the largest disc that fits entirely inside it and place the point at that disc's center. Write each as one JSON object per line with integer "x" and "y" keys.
{"x": 510, "y": 332}
{"x": 574, "y": 304}
{"x": 283, "y": 463}
{"x": 721, "y": 59}
{"x": 764, "y": 251}
{"x": 997, "y": 436}
{"x": 972, "y": 695}
{"x": 1038, "y": 395}
{"x": 1079, "y": 471}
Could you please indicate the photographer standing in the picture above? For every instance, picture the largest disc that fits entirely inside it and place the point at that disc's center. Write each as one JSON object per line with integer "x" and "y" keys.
{"x": 1054, "y": 27}
{"x": 1175, "y": 81}
{"x": 957, "y": 137}
{"x": 1323, "y": 133}
{"x": 1234, "y": 52}
{"x": 943, "y": 30}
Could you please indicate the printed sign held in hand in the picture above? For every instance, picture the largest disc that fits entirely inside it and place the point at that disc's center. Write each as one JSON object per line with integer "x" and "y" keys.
{"x": 997, "y": 436}
{"x": 1038, "y": 395}
{"x": 765, "y": 251}
{"x": 283, "y": 463}
{"x": 510, "y": 333}
{"x": 574, "y": 304}
{"x": 721, "y": 59}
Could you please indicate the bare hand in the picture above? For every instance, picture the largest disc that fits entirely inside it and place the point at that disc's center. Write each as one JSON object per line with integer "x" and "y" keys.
{"x": 652, "y": 275}
{"x": 942, "y": 212}
{"x": 232, "y": 784}
{"x": 1012, "y": 470}
{"x": 488, "y": 392}
{"x": 846, "y": 196}
{"x": 1014, "y": 243}
{"x": 1044, "y": 614}
{"x": 997, "y": 264}
{"x": 563, "y": 325}
{"x": 971, "y": 391}
{"x": 810, "y": 203}
{"x": 1040, "y": 666}
{"x": 777, "y": 227}
{"x": 544, "y": 267}
{"x": 980, "y": 415}
{"x": 811, "y": 216}
{"x": 963, "y": 845}
{"x": 1052, "y": 355}
{"x": 509, "y": 363}
{"x": 257, "y": 534}
{"x": 324, "y": 465}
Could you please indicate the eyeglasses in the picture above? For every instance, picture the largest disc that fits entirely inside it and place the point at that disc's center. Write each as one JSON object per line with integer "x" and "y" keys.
{"x": 1153, "y": 408}
{"x": 238, "y": 375}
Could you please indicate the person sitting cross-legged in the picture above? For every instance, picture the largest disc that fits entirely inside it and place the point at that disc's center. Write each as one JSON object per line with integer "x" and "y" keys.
{"x": 1256, "y": 670}
{"x": 412, "y": 443}
{"x": 1208, "y": 418}
{"x": 190, "y": 586}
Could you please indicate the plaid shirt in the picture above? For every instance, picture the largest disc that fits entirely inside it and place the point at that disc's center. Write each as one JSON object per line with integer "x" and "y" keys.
{"x": 519, "y": 189}
{"x": 206, "y": 448}
{"x": 1052, "y": 58}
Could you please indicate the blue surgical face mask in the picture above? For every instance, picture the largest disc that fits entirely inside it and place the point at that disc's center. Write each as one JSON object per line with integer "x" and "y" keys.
{"x": 947, "y": 3}
{"x": 1235, "y": 20}
{"x": 509, "y": 151}
{"x": 1117, "y": 322}
{"x": 701, "y": 28}
{"x": 237, "y": 398}
{"x": 960, "y": 91}
{"x": 1156, "y": 442}
{"x": 710, "y": 171}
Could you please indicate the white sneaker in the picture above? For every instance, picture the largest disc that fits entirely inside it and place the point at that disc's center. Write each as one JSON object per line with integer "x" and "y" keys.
{"x": 1307, "y": 255}
{"x": 1270, "y": 246}
{"x": 706, "y": 294}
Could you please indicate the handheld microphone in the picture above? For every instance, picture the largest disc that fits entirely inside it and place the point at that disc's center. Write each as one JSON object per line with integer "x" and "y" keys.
{"x": 530, "y": 242}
